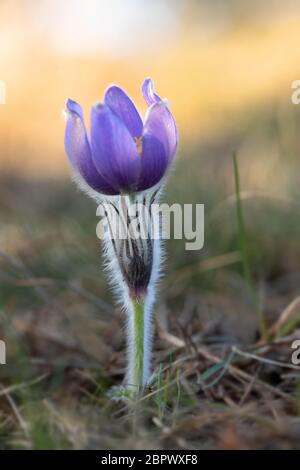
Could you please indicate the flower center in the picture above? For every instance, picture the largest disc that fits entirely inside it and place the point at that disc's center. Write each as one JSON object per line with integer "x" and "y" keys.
{"x": 139, "y": 144}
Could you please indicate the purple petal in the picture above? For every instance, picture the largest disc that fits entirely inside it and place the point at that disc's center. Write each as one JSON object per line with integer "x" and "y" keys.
{"x": 120, "y": 103}
{"x": 74, "y": 107}
{"x": 161, "y": 124}
{"x": 159, "y": 145}
{"x": 79, "y": 152}
{"x": 154, "y": 162}
{"x": 148, "y": 92}
{"x": 114, "y": 151}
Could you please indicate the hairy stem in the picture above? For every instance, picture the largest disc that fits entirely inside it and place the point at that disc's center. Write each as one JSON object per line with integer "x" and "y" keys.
{"x": 134, "y": 261}
{"x": 137, "y": 365}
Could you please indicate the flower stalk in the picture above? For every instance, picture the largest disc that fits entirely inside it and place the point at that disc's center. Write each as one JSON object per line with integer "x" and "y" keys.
{"x": 137, "y": 365}
{"x": 133, "y": 258}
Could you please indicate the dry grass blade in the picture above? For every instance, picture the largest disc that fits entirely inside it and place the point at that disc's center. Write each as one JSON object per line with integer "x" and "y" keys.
{"x": 233, "y": 370}
{"x": 286, "y": 315}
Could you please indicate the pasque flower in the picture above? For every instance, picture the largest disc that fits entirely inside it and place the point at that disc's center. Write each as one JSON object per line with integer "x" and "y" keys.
{"x": 127, "y": 159}
{"x": 124, "y": 154}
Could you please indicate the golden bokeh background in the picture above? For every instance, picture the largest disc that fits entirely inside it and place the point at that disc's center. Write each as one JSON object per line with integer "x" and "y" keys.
{"x": 219, "y": 64}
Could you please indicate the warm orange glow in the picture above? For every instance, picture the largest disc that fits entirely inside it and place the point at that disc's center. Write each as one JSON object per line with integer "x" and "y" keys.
{"x": 213, "y": 84}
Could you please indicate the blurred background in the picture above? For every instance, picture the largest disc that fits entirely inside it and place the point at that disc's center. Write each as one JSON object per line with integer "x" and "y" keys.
{"x": 227, "y": 69}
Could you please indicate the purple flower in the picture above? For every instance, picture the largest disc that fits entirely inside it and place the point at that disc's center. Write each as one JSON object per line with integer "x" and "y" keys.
{"x": 123, "y": 154}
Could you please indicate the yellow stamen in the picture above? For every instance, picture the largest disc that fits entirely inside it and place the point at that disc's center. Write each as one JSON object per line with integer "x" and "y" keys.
{"x": 139, "y": 144}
